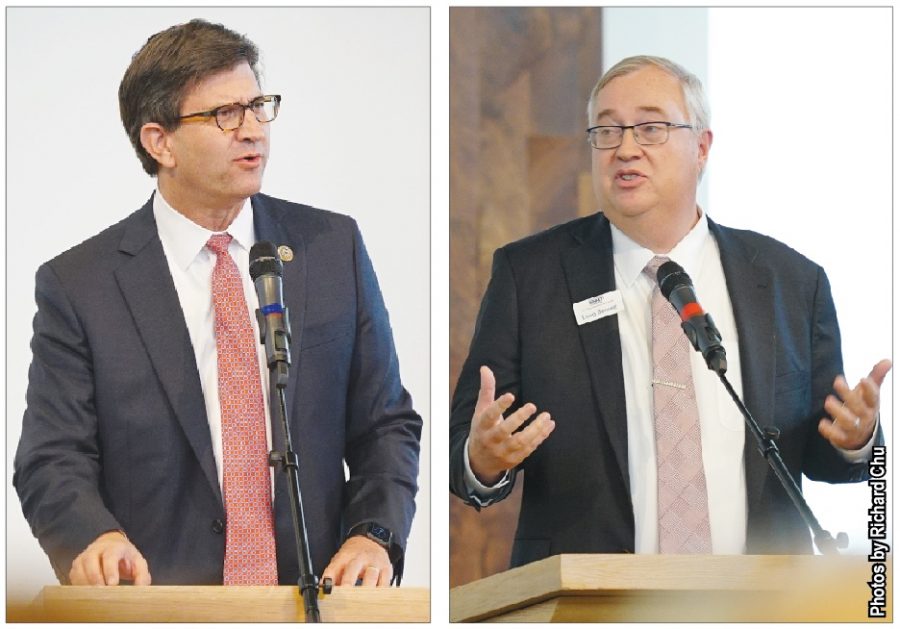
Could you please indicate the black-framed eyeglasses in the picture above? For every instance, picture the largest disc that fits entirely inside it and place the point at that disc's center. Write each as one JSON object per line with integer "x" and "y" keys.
{"x": 231, "y": 116}
{"x": 610, "y": 136}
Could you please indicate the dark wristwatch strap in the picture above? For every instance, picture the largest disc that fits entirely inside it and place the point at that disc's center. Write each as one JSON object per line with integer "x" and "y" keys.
{"x": 384, "y": 537}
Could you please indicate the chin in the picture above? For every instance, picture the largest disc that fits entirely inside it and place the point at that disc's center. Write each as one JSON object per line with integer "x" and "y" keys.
{"x": 633, "y": 208}
{"x": 249, "y": 188}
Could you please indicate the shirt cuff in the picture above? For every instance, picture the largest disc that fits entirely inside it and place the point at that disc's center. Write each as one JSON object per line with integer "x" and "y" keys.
{"x": 864, "y": 453}
{"x": 478, "y": 491}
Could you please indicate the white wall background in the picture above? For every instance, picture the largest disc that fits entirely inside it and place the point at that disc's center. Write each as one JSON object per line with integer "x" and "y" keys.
{"x": 801, "y": 114}
{"x": 352, "y": 136}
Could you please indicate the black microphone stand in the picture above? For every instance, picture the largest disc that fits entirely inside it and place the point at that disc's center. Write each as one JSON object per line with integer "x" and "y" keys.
{"x": 765, "y": 443}
{"x": 279, "y": 360}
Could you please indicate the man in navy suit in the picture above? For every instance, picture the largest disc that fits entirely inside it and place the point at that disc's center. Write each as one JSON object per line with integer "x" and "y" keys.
{"x": 566, "y": 396}
{"x": 119, "y": 466}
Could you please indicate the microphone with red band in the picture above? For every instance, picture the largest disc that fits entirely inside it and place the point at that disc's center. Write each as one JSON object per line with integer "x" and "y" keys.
{"x": 676, "y": 286}
{"x": 692, "y": 309}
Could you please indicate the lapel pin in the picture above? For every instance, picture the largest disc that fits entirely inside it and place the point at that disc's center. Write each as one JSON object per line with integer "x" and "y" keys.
{"x": 285, "y": 253}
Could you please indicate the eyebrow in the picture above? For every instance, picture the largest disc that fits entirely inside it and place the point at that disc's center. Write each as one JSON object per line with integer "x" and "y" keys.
{"x": 237, "y": 102}
{"x": 646, "y": 108}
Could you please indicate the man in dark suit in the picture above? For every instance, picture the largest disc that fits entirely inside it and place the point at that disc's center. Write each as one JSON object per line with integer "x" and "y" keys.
{"x": 120, "y": 464}
{"x": 565, "y": 327}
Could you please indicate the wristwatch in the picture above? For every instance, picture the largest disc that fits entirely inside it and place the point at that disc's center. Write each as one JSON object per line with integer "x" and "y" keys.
{"x": 384, "y": 537}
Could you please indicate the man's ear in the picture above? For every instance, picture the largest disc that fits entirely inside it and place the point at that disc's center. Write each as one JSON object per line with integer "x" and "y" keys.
{"x": 156, "y": 141}
{"x": 703, "y": 145}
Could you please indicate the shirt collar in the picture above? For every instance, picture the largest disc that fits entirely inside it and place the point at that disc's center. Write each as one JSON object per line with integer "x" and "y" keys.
{"x": 185, "y": 239}
{"x": 630, "y": 258}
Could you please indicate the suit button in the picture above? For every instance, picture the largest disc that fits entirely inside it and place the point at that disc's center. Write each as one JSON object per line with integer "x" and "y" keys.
{"x": 218, "y": 526}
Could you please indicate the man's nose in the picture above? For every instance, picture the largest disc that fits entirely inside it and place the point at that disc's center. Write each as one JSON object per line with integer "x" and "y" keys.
{"x": 251, "y": 128}
{"x": 629, "y": 147}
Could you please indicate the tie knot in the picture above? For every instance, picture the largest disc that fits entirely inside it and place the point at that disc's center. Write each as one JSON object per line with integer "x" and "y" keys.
{"x": 218, "y": 243}
{"x": 653, "y": 266}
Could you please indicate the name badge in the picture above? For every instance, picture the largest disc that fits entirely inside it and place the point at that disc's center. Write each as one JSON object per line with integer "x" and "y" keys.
{"x": 598, "y": 307}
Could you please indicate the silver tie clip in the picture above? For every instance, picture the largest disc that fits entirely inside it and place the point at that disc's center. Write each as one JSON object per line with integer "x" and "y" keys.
{"x": 669, "y": 384}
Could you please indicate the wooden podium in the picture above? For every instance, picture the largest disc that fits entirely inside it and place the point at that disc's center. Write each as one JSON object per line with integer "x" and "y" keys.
{"x": 169, "y": 603}
{"x": 643, "y": 588}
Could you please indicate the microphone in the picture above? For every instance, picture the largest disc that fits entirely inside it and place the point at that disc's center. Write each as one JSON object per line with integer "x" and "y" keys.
{"x": 676, "y": 286}
{"x": 266, "y": 270}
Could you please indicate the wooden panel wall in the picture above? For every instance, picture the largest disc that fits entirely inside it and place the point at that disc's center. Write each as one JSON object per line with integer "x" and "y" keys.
{"x": 519, "y": 163}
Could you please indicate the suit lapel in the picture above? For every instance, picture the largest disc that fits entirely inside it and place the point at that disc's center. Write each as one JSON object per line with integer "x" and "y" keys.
{"x": 750, "y": 288}
{"x": 589, "y": 272}
{"x": 149, "y": 292}
{"x": 268, "y": 221}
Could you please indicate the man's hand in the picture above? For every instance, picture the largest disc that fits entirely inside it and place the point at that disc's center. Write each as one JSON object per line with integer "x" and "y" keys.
{"x": 494, "y": 444}
{"x": 854, "y": 418}
{"x": 107, "y": 559}
{"x": 360, "y": 558}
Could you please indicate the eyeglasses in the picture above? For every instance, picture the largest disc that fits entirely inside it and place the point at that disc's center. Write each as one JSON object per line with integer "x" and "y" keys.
{"x": 610, "y": 136}
{"x": 231, "y": 116}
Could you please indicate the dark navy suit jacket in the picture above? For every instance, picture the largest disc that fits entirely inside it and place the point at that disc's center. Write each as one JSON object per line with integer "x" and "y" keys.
{"x": 576, "y": 496}
{"x": 115, "y": 435}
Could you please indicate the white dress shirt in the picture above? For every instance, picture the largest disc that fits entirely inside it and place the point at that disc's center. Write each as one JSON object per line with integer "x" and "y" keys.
{"x": 721, "y": 424}
{"x": 191, "y": 265}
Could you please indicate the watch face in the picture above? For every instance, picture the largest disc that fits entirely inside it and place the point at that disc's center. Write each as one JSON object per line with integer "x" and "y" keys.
{"x": 381, "y": 533}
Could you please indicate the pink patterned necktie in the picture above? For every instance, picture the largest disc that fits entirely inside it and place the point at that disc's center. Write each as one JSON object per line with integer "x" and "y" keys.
{"x": 683, "y": 508}
{"x": 249, "y": 530}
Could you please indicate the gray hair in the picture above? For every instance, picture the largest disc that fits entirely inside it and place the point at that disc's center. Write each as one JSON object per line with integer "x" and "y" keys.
{"x": 691, "y": 87}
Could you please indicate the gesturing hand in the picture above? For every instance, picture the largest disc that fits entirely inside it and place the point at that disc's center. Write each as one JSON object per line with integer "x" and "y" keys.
{"x": 494, "y": 444}
{"x": 854, "y": 418}
{"x": 108, "y": 559}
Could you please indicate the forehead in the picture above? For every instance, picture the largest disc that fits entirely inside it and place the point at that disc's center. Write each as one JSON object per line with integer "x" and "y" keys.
{"x": 229, "y": 86}
{"x": 648, "y": 90}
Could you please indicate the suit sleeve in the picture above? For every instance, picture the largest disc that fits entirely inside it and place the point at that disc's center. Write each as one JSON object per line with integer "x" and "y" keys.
{"x": 383, "y": 430}
{"x": 822, "y": 461}
{"x": 58, "y": 461}
{"x": 495, "y": 343}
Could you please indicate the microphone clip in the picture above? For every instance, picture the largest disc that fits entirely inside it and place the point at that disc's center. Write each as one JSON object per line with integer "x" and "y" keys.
{"x": 705, "y": 338}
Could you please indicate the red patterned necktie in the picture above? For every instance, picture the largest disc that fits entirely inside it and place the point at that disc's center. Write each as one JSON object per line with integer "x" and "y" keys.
{"x": 249, "y": 530}
{"x": 683, "y": 508}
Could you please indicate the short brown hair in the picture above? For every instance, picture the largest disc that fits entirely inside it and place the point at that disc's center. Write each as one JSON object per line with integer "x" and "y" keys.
{"x": 167, "y": 67}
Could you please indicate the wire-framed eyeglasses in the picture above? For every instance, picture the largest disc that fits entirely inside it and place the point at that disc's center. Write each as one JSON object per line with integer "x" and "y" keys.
{"x": 610, "y": 136}
{"x": 231, "y": 116}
